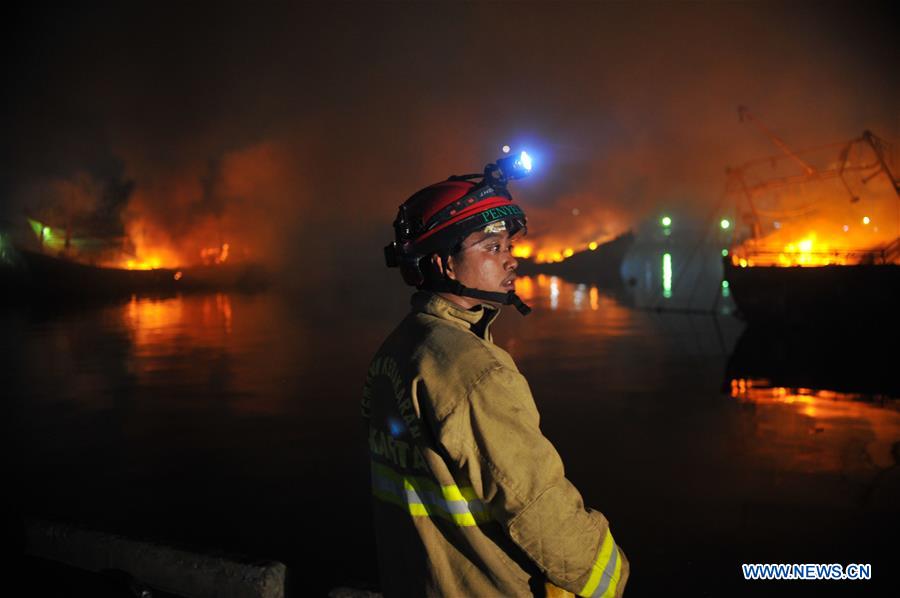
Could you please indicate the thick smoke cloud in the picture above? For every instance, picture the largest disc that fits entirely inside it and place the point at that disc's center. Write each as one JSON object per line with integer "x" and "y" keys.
{"x": 294, "y": 133}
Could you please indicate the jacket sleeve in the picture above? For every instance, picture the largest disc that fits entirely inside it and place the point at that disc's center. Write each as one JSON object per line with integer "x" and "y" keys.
{"x": 495, "y": 438}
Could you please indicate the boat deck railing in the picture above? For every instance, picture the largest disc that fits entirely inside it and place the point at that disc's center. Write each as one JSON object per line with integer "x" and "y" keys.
{"x": 888, "y": 254}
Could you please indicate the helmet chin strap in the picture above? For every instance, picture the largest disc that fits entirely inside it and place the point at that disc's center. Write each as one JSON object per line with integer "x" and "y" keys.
{"x": 447, "y": 285}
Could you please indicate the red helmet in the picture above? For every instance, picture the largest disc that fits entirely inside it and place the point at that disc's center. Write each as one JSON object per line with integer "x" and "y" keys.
{"x": 437, "y": 218}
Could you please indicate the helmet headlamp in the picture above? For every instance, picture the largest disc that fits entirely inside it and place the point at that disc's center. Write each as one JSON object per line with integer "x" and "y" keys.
{"x": 508, "y": 168}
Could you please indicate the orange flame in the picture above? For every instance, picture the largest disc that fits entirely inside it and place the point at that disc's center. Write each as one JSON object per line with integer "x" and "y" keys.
{"x": 810, "y": 250}
{"x": 214, "y": 255}
{"x": 522, "y": 250}
{"x": 545, "y": 254}
{"x": 149, "y": 253}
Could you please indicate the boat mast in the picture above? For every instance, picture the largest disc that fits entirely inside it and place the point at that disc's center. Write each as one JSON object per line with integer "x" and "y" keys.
{"x": 744, "y": 112}
{"x": 878, "y": 146}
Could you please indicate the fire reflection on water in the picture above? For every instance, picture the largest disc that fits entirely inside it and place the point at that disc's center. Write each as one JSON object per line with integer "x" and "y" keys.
{"x": 540, "y": 287}
{"x": 525, "y": 288}
{"x": 193, "y": 341}
{"x": 211, "y": 365}
{"x": 818, "y": 423}
{"x": 153, "y": 321}
{"x": 556, "y": 294}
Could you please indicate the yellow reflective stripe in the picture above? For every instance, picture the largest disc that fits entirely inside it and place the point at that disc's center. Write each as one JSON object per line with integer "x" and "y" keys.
{"x": 422, "y": 497}
{"x": 606, "y": 548}
{"x": 464, "y": 519}
{"x": 614, "y": 583}
{"x": 452, "y": 492}
{"x": 467, "y": 494}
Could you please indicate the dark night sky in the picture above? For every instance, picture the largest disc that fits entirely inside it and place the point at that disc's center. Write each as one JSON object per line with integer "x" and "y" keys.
{"x": 297, "y": 130}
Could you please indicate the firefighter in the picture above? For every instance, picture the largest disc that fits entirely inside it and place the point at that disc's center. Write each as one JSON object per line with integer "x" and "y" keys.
{"x": 469, "y": 497}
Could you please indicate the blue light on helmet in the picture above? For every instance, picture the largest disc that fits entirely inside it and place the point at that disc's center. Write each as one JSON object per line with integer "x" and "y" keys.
{"x": 524, "y": 162}
{"x": 515, "y": 166}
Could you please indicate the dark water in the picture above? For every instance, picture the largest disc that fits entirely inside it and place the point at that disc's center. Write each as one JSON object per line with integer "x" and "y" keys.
{"x": 230, "y": 423}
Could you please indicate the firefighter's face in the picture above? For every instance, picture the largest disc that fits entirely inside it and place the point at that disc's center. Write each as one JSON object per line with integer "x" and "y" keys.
{"x": 485, "y": 262}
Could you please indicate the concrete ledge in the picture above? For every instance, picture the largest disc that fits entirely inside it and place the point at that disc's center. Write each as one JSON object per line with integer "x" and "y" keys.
{"x": 168, "y": 569}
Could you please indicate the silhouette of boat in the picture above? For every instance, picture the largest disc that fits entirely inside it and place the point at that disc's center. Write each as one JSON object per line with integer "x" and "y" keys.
{"x": 34, "y": 275}
{"x": 602, "y": 266}
{"x": 846, "y": 295}
{"x": 805, "y": 264}
{"x": 54, "y": 264}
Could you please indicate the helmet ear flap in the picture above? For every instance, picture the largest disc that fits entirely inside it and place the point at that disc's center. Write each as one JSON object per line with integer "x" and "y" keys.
{"x": 411, "y": 271}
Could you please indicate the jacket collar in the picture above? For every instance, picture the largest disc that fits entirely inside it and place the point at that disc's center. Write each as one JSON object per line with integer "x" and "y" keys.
{"x": 435, "y": 305}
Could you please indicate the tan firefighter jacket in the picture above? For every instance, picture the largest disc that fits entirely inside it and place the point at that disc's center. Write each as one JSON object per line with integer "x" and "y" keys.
{"x": 470, "y": 498}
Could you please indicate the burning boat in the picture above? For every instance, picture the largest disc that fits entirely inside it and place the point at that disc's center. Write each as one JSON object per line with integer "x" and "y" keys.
{"x": 599, "y": 263}
{"x": 55, "y": 264}
{"x": 820, "y": 246}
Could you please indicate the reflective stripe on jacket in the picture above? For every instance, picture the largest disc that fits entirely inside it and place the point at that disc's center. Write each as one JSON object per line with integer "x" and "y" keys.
{"x": 470, "y": 498}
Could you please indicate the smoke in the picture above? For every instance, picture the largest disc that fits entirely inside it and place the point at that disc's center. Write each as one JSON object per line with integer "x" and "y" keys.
{"x": 235, "y": 199}
{"x": 293, "y": 133}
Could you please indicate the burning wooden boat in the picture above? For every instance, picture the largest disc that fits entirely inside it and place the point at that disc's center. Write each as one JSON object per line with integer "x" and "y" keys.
{"x": 600, "y": 264}
{"x": 835, "y": 294}
{"x": 35, "y": 274}
{"x": 823, "y": 246}
{"x": 51, "y": 271}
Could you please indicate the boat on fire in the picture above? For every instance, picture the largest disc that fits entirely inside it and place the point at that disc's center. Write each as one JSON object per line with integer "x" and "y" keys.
{"x": 853, "y": 293}
{"x": 50, "y": 269}
{"x": 601, "y": 265}
{"x": 36, "y": 275}
{"x": 823, "y": 247}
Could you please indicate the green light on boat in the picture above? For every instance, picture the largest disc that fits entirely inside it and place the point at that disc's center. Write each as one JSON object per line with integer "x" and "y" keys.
{"x": 36, "y": 226}
{"x": 667, "y": 275}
